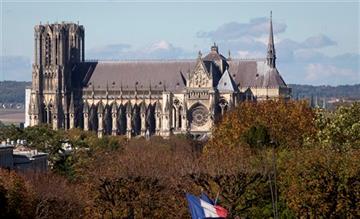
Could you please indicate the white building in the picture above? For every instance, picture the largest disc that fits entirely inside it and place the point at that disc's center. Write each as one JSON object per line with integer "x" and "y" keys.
{"x": 27, "y": 100}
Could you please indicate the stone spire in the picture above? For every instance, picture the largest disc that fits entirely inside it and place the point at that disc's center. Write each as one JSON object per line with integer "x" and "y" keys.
{"x": 37, "y": 104}
{"x": 114, "y": 107}
{"x": 128, "y": 108}
{"x": 229, "y": 56}
{"x": 167, "y": 105}
{"x": 271, "y": 57}
{"x": 86, "y": 107}
{"x": 72, "y": 104}
{"x": 158, "y": 106}
{"x": 142, "y": 107}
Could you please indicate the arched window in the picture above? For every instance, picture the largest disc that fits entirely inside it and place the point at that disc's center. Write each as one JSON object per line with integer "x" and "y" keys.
{"x": 48, "y": 50}
{"x": 223, "y": 106}
{"x": 56, "y": 51}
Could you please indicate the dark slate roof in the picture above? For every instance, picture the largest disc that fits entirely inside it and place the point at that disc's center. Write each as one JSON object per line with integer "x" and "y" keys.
{"x": 255, "y": 73}
{"x": 172, "y": 74}
{"x": 213, "y": 69}
{"x": 141, "y": 74}
{"x": 244, "y": 72}
{"x": 272, "y": 78}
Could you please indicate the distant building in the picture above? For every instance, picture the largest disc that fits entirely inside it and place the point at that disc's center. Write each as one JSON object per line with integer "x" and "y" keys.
{"x": 27, "y": 99}
{"x": 21, "y": 158}
{"x": 131, "y": 98}
{"x": 6, "y": 156}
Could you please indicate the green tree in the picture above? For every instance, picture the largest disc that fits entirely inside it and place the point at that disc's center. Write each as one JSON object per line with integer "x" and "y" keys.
{"x": 340, "y": 130}
{"x": 10, "y": 132}
{"x": 257, "y": 136}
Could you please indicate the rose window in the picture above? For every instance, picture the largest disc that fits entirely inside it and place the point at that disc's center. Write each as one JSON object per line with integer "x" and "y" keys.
{"x": 199, "y": 115}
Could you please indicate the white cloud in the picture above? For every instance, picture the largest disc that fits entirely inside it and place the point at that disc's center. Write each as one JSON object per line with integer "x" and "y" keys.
{"x": 111, "y": 51}
{"x": 161, "y": 45}
{"x": 244, "y": 54}
{"x": 161, "y": 49}
{"x": 318, "y": 41}
{"x": 256, "y": 27}
{"x": 317, "y": 73}
{"x": 308, "y": 55}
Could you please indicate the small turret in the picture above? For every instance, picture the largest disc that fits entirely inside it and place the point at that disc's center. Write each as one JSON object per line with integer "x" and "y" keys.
{"x": 114, "y": 108}
{"x": 199, "y": 54}
{"x": 215, "y": 48}
{"x": 100, "y": 108}
{"x": 36, "y": 104}
{"x": 158, "y": 107}
{"x": 167, "y": 105}
{"x": 72, "y": 106}
{"x": 128, "y": 108}
{"x": 86, "y": 107}
{"x": 229, "y": 56}
{"x": 142, "y": 107}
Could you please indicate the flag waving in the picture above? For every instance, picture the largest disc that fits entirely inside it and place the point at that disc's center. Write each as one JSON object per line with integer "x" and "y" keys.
{"x": 200, "y": 208}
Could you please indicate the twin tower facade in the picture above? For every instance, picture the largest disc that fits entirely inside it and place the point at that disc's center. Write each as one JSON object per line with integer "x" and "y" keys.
{"x": 141, "y": 98}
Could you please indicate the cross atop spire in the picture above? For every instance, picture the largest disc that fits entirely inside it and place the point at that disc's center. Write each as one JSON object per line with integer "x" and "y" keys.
{"x": 271, "y": 57}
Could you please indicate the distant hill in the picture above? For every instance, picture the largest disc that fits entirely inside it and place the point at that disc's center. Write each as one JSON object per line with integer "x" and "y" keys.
{"x": 342, "y": 91}
{"x": 14, "y": 91}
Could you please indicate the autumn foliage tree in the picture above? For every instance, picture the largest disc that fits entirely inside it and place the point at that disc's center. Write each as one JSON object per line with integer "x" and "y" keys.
{"x": 314, "y": 153}
{"x": 321, "y": 183}
{"x": 288, "y": 123}
{"x": 34, "y": 195}
{"x": 16, "y": 196}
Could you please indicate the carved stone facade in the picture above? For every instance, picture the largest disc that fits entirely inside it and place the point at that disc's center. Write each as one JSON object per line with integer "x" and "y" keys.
{"x": 141, "y": 98}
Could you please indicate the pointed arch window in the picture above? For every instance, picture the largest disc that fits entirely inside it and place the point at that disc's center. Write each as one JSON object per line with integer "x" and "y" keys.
{"x": 56, "y": 50}
{"x": 48, "y": 49}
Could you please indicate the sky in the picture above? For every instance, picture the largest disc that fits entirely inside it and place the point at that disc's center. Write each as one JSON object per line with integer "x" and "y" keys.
{"x": 316, "y": 42}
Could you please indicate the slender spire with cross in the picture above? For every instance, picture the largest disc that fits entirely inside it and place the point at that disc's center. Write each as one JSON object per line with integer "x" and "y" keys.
{"x": 271, "y": 57}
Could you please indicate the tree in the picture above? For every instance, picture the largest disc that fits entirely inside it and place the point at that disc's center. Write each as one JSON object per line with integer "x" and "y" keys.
{"x": 10, "y": 132}
{"x": 321, "y": 183}
{"x": 17, "y": 195}
{"x": 257, "y": 136}
{"x": 131, "y": 197}
{"x": 340, "y": 130}
{"x": 288, "y": 124}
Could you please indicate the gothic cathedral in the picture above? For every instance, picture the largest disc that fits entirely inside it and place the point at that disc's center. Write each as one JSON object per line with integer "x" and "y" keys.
{"x": 141, "y": 98}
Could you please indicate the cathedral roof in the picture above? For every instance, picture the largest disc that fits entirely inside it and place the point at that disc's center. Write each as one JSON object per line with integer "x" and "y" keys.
{"x": 172, "y": 74}
{"x": 255, "y": 73}
{"x": 139, "y": 74}
{"x": 226, "y": 83}
{"x": 272, "y": 78}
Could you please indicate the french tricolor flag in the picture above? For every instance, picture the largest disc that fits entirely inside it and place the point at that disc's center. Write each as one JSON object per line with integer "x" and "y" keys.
{"x": 204, "y": 208}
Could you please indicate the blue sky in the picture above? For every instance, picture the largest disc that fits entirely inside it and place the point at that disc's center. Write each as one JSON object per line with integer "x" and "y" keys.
{"x": 316, "y": 43}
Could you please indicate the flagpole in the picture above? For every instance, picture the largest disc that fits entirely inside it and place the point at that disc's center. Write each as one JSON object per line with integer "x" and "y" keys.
{"x": 217, "y": 196}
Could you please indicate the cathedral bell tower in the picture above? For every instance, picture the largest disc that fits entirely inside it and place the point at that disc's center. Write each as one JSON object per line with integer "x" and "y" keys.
{"x": 57, "y": 48}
